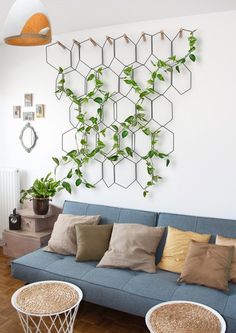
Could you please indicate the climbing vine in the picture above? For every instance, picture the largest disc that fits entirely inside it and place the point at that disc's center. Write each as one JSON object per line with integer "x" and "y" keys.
{"x": 78, "y": 158}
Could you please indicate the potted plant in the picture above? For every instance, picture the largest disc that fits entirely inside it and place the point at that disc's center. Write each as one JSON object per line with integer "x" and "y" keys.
{"x": 41, "y": 192}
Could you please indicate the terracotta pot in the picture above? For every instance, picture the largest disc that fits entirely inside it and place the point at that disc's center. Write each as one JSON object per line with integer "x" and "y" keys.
{"x": 40, "y": 206}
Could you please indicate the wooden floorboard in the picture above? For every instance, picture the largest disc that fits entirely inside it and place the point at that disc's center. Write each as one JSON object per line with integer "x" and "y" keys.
{"x": 91, "y": 318}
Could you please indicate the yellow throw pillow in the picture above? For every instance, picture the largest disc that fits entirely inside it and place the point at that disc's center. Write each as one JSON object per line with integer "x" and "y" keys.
{"x": 226, "y": 241}
{"x": 176, "y": 248}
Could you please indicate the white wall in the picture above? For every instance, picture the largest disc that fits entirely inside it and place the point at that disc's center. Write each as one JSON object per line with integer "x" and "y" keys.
{"x": 202, "y": 178}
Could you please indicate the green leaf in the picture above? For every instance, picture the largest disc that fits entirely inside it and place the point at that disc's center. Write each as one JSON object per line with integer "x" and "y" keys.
{"x": 100, "y": 70}
{"x": 100, "y": 112}
{"x": 56, "y": 160}
{"x": 91, "y": 77}
{"x": 128, "y": 71}
{"x": 66, "y": 186}
{"x": 88, "y": 185}
{"x": 160, "y": 77}
{"x": 115, "y": 137}
{"x": 151, "y": 153}
{"x": 113, "y": 158}
{"x": 93, "y": 120}
{"x": 144, "y": 93}
{"x": 129, "y": 151}
{"x": 98, "y": 100}
{"x": 70, "y": 174}
{"x": 115, "y": 127}
{"x": 146, "y": 131}
{"x": 145, "y": 193}
{"x": 125, "y": 134}
{"x": 78, "y": 182}
{"x": 98, "y": 83}
{"x": 173, "y": 58}
{"x": 192, "y": 57}
{"x": 103, "y": 132}
{"x": 69, "y": 92}
{"x": 129, "y": 119}
{"x": 177, "y": 68}
{"x": 61, "y": 70}
{"x": 101, "y": 144}
{"x": 83, "y": 142}
{"x": 167, "y": 162}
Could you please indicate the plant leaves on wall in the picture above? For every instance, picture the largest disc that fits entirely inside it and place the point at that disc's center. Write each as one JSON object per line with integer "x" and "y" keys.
{"x": 123, "y": 132}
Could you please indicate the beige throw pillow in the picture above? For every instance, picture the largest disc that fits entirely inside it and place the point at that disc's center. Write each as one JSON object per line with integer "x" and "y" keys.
{"x": 226, "y": 241}
{"x": 132, "y": 246}
{"x": 208, "y": 265}
{"x": 63, "y": 238}
{"x": 92, "y": 241}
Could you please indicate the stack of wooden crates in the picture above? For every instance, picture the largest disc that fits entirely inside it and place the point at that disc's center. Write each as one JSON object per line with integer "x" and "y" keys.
{"x": 35, "y": 232}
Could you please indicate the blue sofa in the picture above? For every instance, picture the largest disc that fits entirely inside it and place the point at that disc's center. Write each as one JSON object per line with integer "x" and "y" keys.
{"x": 123, "y": 289}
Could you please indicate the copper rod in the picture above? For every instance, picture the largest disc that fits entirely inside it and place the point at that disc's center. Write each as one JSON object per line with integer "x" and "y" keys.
{"x": 63, "y": 46}
{"x": 144, "y": 36}
{"x": 126, "y": 38}
{"x": 93, "y": 41}
{"x": 109, "y": 40}
{"x": 76, "y": 42}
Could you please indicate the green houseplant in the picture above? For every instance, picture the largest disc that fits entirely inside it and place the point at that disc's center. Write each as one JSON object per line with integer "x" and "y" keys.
{"x": 41, "y": 192}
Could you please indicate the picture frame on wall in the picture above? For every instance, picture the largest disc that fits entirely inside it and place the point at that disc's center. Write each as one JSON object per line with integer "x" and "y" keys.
{"x": 28, "y": 116}
{"x": 16, "y": 111}
{"x": 28, "y": 100}
{"x": 40, "y": 111}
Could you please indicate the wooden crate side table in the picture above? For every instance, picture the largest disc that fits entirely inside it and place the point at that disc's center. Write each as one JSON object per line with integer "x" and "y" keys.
{"x": 36, "y": 223}
{"x": 35, "y": 232}
{"x": 17, "y": 243}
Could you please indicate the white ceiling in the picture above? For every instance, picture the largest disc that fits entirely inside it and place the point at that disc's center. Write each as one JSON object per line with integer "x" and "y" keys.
{"x": 74, "y": 15}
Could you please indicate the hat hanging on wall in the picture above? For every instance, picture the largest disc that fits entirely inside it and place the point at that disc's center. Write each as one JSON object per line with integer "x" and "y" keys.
{"x": 27, "y": 24}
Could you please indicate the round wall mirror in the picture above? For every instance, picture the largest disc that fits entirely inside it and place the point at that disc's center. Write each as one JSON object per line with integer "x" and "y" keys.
{"x": 28, "y": 137}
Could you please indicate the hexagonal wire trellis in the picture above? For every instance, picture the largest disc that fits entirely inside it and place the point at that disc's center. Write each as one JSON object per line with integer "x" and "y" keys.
{"x": 108, "y": 55}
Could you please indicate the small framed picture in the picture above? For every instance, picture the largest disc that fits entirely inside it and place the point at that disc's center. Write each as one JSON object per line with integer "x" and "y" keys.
{"x": 29, "y": 116}
{"x": 16, "y": 111}
{"x": 40, "y": 111}
{"x": 28, "y": 100}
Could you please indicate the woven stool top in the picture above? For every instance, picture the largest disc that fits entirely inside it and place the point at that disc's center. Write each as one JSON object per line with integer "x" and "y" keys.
{"x": 184, "y": 318}
{"x": 47, "y": 298}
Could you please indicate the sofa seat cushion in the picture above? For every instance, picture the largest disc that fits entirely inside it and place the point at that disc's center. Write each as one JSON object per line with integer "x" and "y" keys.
{"x": 102, "y": 285}
{"x": 159, "y": 286}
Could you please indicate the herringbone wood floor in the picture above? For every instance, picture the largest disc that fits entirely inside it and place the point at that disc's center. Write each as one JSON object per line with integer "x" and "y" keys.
{"x": 91, "y": 318}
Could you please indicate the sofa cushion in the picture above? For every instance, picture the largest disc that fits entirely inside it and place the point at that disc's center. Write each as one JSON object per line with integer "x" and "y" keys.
{"x": 176, "y": 248}
{"x": 132, "y": 246}
{"x": 92, "y": 241}
{"x": 63, "y": 238}
{"x": 208, "y": 265}
{"x": 220, "y": 240}
{"x": 126, "y": 290}
{"x": 111, "y": 214}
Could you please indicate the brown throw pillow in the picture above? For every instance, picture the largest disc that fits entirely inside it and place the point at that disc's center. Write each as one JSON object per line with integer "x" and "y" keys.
{"x": 63, "y": 238}
{"x": 92, "y": 241}
{"x": 132, "y": 246}
{"x": 226, "y": 241}
{"x": 207, "y": 265}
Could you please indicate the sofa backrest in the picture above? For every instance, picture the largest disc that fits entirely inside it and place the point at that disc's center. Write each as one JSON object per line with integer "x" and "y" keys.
{"x": 111, "y": 214}
{"x": 202, "y": 225}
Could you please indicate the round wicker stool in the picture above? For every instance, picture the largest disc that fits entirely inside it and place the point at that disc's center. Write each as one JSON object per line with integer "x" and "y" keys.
{"x": 47, "y": 307}
{"x": 184, "y": 317}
